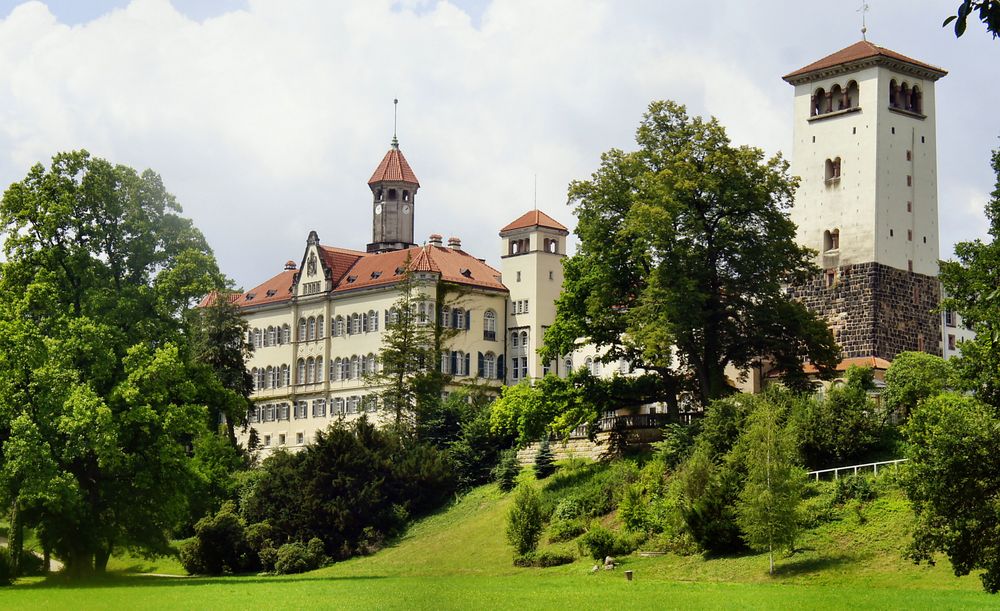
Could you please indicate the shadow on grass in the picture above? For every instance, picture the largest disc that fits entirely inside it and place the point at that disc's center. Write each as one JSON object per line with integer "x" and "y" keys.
{"x": 805, "y": 566}
{"x": 139, "y": 580}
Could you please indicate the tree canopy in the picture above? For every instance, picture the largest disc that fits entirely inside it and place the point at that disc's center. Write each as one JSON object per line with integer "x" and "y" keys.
{"x": 685, "y": 246}
{"x": 97, "y": 403}
{"x": 988, "y": 12}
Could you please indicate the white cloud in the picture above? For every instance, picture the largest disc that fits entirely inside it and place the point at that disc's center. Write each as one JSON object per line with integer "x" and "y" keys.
{"x": 267, "y": 122}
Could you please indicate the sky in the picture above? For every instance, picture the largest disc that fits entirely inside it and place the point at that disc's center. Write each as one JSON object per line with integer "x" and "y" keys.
{"x": 266, "y": 118}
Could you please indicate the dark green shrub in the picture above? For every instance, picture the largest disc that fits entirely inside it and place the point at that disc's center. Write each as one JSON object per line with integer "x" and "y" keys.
{"x": 634, "y": 510}
{"x": 675, "y": 445}
{"x": 267, "y": 555}
{"x": 524, "y": 521}
{"x": 5, "y": 573}
{"x": 507, "y": 469}
{"x": 599, "y": 542}
{"x": 567, "y": 509}
{"x": 564, "y": 530}
{"x": 545, "y": 461}
{"x": 842, "y": 426}
{"x": 292, "y": 558}
{"x": 854, "y": 487}
{"x": 219, "y": 545}
{"x": 544, "y": 559}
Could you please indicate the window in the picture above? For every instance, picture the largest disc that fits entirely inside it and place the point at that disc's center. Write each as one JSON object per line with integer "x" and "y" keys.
{"x": 299, "y": 438}
{"x": 372, "y": 320}
{"x": 909, "y": 156}
{"x": 338, "y": 405}
{"x": 320, "y": 327}
{"x": 909, "y": 266}
{"x": 518, "y": 276}
{"x": 524, "y": 367}
{"x": 909, "y": 180}
{"x": 514, "y": 371}
{"x": 272, "y": 336}
{"x": 369, "y": 403}
{"x": 282, "y": 411}
{"x": 513, "y": 339}
{"x": 286, "y": 332}
{"x": 345, "y": 369}
{"x": 312, "y": 328}
{"x": 551, "y": 275}
{"x": 301, "y": 410}
{"x": 831, "y": 277}
{"x": 310, "y": 370}
{"x": 319, "y": 369}
{"x": 909, "y": 235}
{"x": 300, "y": 373}
{"x": 267, "y": 441}
{"x": 490, "y": 326}
{"x": 281, "y": 439}
{"x": 302, "y": 329}
{"x": 949, "y": 318}
{"x": 951, "y": 341}
{"x": 257, "y": 343}
{"x": 832, "y": 170}
{"x": 831, "y": 240}
{"x": 319, "y": 408}
{"x": 355, "y": 324}
{"x": 568, "y": 364}
{"x": 524, "y": 341}
{"x": 909, "y": 206}
{"x": 355, "y": 367}
{"x": 335, "y": 369}
{"x": 525, "y": 306}
{"x": 891, "y": 233}
{"x": 489, "y": 366}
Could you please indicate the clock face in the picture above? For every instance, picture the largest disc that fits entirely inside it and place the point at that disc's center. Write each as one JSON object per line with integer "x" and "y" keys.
{"x": 406, "y": 209}
{"x": 378, "y": 209}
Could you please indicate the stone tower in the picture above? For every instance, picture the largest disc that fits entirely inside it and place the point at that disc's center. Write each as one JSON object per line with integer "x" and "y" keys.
{"x": 394, "y": 189}
{"x": 864, "y": 149}
{"x": 533, "y": 247}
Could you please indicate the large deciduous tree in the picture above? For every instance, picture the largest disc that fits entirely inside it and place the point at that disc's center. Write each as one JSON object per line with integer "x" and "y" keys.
{"x": 987, "y": 11}
{"x": 96, "y": 400}
{"x": 685, "y": 246}
{"x": 972, "y": 285}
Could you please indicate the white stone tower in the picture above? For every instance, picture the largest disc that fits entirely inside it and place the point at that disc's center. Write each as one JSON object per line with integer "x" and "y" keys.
{"x": 864, "y": 149}
{"x": 533, "y": 247}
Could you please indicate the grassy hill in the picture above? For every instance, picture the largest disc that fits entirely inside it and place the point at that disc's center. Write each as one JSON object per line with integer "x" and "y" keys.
{"x": 458, "y": 558}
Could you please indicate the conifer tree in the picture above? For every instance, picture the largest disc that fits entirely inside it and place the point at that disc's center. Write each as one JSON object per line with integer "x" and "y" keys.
{"x": 544, "y": 461}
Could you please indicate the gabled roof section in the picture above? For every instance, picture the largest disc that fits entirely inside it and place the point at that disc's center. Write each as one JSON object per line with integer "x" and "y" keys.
{"x": 213, "y": 297}
{"x": 394, "y": 167}
{"x": 861, "y": 51}
{"x": 339, "y": 260}
{"x": 454, "y": 265}
{"x": 533, "y": 218}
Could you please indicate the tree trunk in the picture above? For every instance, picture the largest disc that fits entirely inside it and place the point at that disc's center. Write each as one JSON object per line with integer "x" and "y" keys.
{"x": 101, "y": 559}
{"x": 15, "y": 542}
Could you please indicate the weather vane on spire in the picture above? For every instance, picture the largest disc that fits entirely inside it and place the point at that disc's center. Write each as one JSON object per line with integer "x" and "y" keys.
{"x": 864, "y": 26}
{"x": 395, "y": 142}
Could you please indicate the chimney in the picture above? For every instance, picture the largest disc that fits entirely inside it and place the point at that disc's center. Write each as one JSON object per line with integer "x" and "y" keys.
{"x": 435, "y": 239}
{"x": 290, "y": 265}
{"x": 455, "y": 243}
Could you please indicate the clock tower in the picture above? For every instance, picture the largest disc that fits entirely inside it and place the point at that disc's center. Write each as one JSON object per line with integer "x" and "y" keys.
{"x": 394, "y": 188}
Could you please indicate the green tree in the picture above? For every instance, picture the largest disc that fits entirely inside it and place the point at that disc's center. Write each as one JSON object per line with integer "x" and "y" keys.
{"x": 989, "y": 14}
{"x": 97, "y": 404}
{"x": 841, "y": 426}
{"x": 507, "y": 470}
{"x": 685, "y": 247}
{"x": 972, "y": 285}
{"x": 914, "y": 377}
{"x": 545, "y": 461}
{"x": 524, "y": 520}
{"x": 951, "y": 479}
{"x": 219, "y": 351}
{"x": 768, "y": 507}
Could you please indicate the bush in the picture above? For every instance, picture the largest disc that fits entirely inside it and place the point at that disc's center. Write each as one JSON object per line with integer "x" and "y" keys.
{"x": 298, "y": 558}
{"x": 524, "y": 521}
{"x": 842, "y": 426}
{"x": 507, "y": 469}
{"x": 634, "y": 510}
{"x": 854, "y": 487}
{"x": 545, "y": 462}
{"x": 564, "y": 530}
{"x": 219, "y": 546}
{"x": 567, "y": 509}
{"x": 599, "y": 542}
{"x": 544, "y": 559}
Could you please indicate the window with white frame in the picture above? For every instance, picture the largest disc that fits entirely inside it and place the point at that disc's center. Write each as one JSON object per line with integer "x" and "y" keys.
{"x": 490, "y": 325}
{"x": 319, "y": 408}
{"x": 489, "y": 365}
{"x": 300, "y": 373}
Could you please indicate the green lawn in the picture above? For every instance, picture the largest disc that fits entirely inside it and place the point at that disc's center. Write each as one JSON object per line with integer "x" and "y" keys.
{"x": 458, "y": 559}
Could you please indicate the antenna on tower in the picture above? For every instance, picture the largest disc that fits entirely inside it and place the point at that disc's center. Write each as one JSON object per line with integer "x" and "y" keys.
{"x": 864, "y": 26}
{"x": 536, "y": 191}
{"x": 395, "y": 142}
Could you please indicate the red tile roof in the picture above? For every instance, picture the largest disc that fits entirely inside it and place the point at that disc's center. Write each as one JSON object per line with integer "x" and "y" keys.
{"x": 212, "y": 297}
{"x": 353, "y": 270}
{"x": 873, "y": 362}
{"x": 273, "y": 290}
{"x": 858, "y": 51}
{"x": 532, "y": 218}
{"x": 394, "y": 167}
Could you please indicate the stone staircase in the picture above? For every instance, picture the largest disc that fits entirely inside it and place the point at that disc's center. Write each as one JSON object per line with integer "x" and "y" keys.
{"x": 581, "y": 447}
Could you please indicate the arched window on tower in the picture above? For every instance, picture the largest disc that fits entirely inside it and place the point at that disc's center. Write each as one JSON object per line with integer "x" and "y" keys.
{"x": 832, "y": 170}
{"x": 893, "y": 94}
{"x": 851, "y": 94}
{"x": 392, "y": 195}
{"x": 836, "y": 98}
{"x": 406, "y": 195}
{"x": 916, "y": 100}
{"x": 818, "y": 105}
{"x": 831, "y": 240}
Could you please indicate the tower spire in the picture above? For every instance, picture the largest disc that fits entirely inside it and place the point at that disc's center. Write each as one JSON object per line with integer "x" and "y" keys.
{"x": 395, "y": 141}
{"x": 864, "y": 26}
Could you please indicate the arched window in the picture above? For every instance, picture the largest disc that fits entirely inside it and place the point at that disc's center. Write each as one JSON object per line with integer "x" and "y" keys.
{"x": 589, "y": 364}
{"x": 364, "y": 322}
{"x": 269, "y": 339}
{"x": 371, "y": 364}
{"x": 355, "y": 324}
{"x": 832, "y": 170}
{"x": 338, "y": 326}
{"x": 338, "y": 405}
{"x": 851, "y": 94}
{"x": 372, "y": 320}
{"x": 524, "y": 340}
{"x": 489, "y": 365}
{"x": 904, "y": 97}
{"x": 253, "y": 376}
{"x": 302, "y": 329}
{"x": 460, "y": 364}
{"x": 355, "y": 367}
{"x": 300, "y": 372}
{"x": 286, "y": 332}
{"x": 595, "y": 367}
{"x": 406, "y": 195}
{"x": 513, "y": 339}
{"x": 345, "y": 369}
{"x": 320, "y": 327}
{"x": 319, "y": 369}
{"x": 283, "y": 379}
{"x": 836, "y": 98}
{"x": 269, "y": 381}
{"x": 568, "y": 364}
{"x": 490, "y": 325}
{"x": 916, "y": 100}
{"x": 818, "y": 105}
{"x": 446, "y": 316}
{"x": 392, "y": 195}
{"x": 257, "y": 342}
{"x": 393, "y": 316}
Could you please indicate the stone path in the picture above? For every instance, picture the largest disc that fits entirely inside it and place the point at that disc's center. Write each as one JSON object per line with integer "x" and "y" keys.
{"x": 54, "y": 565}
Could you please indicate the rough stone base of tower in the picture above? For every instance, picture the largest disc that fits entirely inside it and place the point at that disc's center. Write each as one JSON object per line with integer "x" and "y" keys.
{"x": 876, "y": 310}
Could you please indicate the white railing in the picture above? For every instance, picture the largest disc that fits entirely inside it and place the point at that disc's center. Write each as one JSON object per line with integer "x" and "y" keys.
{"x": 855, "y": 468}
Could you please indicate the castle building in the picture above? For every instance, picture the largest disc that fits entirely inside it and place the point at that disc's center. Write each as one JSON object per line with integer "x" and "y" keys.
{"x": 865, "y": 151}
{"x": 316, "y": 327}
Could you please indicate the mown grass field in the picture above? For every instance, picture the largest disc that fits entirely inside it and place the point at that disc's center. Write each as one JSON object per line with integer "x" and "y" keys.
{"x": 458, "y": 559}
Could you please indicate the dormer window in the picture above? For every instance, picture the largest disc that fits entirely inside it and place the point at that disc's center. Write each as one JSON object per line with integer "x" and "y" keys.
{"x": 250, "y": 296}
{"x": 399, "y": 270}
{"x": 466, "y": 272}
{"x": 351, "y": 279}
{"x": 376, "y": 275}
{"x": 271, "y": 292}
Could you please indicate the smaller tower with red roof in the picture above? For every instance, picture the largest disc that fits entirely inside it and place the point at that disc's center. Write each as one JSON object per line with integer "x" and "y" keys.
{"x": 394, "y": 188}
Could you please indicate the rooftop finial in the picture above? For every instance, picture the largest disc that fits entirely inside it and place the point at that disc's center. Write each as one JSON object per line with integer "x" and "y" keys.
{"x": 864, "y": 26}
{"x": 395, "y": 142}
